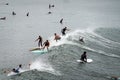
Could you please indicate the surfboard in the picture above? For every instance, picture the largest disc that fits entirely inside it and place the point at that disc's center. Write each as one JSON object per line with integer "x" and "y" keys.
{"x": 13, "y": 73}
{"x": 88, "y": 61}
{"x": 35, "y": 49}
{"x": 38, "y": 50}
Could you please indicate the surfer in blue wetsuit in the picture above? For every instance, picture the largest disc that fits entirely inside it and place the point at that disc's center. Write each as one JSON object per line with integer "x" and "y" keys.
{"x": 84, "y": 57}
{"x": 39, "y": 39}
{"x": 46, "y": 44}
{"x": 17, "y": 70}
{"x": 57, "y": 37}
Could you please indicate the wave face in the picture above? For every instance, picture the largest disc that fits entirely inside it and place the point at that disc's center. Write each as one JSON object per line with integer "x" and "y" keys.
{"x": 60, "y": 62}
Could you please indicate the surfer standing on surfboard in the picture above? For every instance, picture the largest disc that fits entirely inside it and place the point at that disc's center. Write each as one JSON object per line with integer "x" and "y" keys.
{"x": 39, "y": 39}
{"x": 46, "y": 44}
{"x": 64, "y": 30}
{"x": 84, "y": 57}
{"x": 57, "y": 37}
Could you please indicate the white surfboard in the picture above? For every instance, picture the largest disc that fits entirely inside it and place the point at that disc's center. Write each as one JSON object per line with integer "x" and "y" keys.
{"x": 88, "y": 61}
{"x": 13, "y": 73}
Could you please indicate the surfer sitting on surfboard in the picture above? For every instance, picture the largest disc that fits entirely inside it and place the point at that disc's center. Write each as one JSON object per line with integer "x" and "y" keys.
{"x": 57, "y": 37}
{"x": 46, "y": 44}
{"x": 84, "y": 57}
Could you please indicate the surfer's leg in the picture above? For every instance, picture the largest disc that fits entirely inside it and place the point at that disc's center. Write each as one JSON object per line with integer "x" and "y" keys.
{"x": 38, "y": 44}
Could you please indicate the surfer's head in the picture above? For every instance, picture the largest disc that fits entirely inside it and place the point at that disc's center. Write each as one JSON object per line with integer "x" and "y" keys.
{"x": 84, "y": 52}
{"x": 20, "y": 65}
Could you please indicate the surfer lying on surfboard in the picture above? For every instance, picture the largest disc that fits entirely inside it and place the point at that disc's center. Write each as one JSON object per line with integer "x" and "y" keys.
{"x": 15, "y": 70}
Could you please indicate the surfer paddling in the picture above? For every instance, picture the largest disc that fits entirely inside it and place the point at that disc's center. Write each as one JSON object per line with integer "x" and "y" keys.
{"x": 15, "y": 70}
{"x": 3, "y": 18}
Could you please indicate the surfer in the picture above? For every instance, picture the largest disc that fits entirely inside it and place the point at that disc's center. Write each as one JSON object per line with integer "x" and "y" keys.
{"x": 3, "y": 18}
{"x": 17, "y": 70}
{"x": 84, "y": 57}
{"x": 49, "y": 12}
{"x": 46, "y": 44}
{"x": 57, "y": 37}
{"x": 39, "y": 39}
{"x": 27, "y": 14}
{"x": 81, "y": 39}
{"x": 13, "y": 13}
{"x": 61, "y": 21}
{"x": 64, "y": 30}
{"x": 49, "y": 6}
{"x": 14, "y": 70}
{"x": 7, "y": 4}
{"x": 53, "y": 5}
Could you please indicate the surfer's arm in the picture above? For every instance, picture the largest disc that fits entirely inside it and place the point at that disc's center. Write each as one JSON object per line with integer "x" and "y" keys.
{"x": 86, "y": 59}
{"x": 36, "y": 39}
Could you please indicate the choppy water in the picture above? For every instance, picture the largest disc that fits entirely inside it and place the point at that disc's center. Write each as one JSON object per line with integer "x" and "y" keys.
{"x": 97, "y": 21}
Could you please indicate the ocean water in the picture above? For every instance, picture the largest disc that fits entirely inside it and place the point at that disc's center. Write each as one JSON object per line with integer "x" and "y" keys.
{"x": 95, "y": 20}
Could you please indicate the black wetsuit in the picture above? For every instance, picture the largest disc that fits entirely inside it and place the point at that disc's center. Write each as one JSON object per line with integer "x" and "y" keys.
{"x": 40, "y": 41}
{"x": 63, "y": 31}
{"x": 61, "y": 21}
{"x": 16, "y": 70}
{"x": 83, "y": 57}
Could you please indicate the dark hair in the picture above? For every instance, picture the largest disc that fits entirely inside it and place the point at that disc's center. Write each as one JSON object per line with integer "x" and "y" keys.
{"x": 13, "y": 69}
{"x": 54, "y": 33}
{"x": 85, "y": 52}
{"x": 20, "y": 65}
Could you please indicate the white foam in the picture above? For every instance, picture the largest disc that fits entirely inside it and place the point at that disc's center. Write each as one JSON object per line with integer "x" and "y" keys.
{"x": 59, "y": 42}
{"x": 43, "y": 66}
